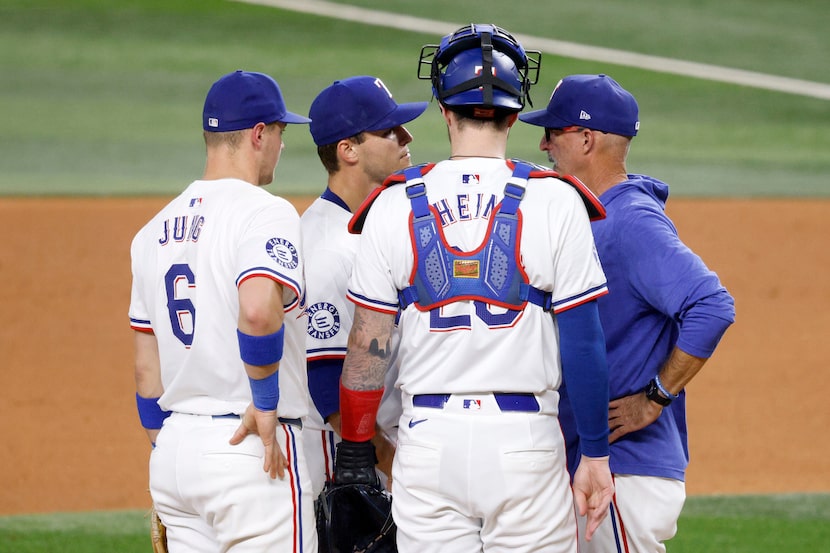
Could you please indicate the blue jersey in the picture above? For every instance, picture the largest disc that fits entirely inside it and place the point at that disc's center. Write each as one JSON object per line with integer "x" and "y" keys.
{"x": 661, "y": 295}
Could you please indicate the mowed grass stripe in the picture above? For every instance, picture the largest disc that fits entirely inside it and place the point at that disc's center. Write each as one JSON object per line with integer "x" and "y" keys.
{"x": 737, "y": 524}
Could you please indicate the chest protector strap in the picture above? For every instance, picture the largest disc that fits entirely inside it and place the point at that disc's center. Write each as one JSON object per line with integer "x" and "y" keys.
{"x": 491, "y": 273}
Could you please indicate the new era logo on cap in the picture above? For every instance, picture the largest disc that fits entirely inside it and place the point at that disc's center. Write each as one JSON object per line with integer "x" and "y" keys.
{"x": 596, "y": 102}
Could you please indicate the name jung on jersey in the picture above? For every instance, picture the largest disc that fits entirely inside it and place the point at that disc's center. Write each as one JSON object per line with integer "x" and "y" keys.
{"x": 185, "y": 228}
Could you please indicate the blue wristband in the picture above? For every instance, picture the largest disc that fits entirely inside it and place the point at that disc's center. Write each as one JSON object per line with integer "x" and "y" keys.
{"x": 152, "y": 416}
{"x": 261, "y": 350}
{"x": 663, "y": 389}
{"x": 265, "y": 392}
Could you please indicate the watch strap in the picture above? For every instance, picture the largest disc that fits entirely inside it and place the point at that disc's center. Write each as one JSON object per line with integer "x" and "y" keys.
{"x": 653, "y": 393}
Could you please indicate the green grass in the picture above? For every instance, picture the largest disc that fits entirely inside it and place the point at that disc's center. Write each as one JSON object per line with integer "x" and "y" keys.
{"x": 104, "y": 98}
{"x": 769, "y": 36}
{"x": 792, "y": 523}
{"x": 104, "y": 532}
{"x": 742, "y": 524}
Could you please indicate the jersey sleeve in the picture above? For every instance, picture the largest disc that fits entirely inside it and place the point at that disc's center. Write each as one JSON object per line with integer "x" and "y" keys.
{"x": 330, "y": 314}
{"x": 372, "y": 284}
{"x": 139, "y": 311}
{"x": 579, "y": 277}
{"x": 270, "y": 247}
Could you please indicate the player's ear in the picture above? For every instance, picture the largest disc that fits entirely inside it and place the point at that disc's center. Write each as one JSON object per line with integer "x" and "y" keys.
{"x": 347, "y": 152}
{"x": 257, "y": 135}
{"x": 445, "y": 113}
{"x": 589, "y": 140}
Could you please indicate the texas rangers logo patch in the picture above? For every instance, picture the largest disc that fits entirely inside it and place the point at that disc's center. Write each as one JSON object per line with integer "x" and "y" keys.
{"x": 323, "y": 320}
{"x": 283, "y": 252}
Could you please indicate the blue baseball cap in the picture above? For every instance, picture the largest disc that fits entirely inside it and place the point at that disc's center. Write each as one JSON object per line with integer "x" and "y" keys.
{"x": 595, "y": 102}
{"x": 241, "y": 99}
{"x": 355, "y": 105}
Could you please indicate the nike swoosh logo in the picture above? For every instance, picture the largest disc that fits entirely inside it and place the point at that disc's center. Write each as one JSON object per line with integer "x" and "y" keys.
{"x": 413, "y": 422}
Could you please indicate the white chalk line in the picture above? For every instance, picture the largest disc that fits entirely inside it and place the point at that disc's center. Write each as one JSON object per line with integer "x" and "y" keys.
{"x": 562, "y": 48}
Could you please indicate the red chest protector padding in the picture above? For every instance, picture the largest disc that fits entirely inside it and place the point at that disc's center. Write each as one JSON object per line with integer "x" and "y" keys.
{"x": 492, "y": 273}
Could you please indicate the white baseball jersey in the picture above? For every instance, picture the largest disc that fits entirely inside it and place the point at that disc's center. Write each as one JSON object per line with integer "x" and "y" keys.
{"x": 508, "y": 352}
{"x": 187, "y": 263}
{"x": 329, "y": 253}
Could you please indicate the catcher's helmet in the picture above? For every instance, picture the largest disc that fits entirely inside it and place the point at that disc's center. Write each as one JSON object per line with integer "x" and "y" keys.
{"x": 480, "y": 66}
{"x": 354, "y": 518}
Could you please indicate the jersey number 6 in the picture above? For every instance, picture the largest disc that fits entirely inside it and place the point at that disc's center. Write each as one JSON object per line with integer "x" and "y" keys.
{"x": 178, "y": 279}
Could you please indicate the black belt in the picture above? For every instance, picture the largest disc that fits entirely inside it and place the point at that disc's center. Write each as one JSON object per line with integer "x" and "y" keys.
{"x": 524, "y": 403}
{"x": 293, "y": 422}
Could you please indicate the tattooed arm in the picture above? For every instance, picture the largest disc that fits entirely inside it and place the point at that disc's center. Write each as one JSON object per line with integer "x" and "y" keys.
{"x": 361, "y": 389}
{"x": 369, "y": 352}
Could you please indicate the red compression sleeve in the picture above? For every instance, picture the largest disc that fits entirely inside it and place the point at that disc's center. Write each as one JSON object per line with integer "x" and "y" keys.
{"x": 358, "y": 412}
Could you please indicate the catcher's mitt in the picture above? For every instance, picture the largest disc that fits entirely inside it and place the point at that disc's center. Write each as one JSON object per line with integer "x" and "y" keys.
{"x": 158, "y": 533}
{"x": 355, "y": 518}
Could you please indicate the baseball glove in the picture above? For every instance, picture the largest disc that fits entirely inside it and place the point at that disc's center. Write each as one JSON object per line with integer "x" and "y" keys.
{"x": 355, "y": 518}
{"x": 158, "y": 532}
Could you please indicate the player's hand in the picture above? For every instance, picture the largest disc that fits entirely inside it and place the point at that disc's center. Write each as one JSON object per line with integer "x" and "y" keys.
{"x": 264, "y": 424}
{"x": 593, "y": 490}
{"x": 631, "y": 413}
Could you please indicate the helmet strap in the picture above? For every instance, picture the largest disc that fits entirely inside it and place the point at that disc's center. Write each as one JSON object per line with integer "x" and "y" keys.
{"x": 487, "y": 67}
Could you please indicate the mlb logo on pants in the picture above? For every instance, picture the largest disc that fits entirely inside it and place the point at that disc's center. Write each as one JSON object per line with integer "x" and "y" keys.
{"x": 472, "y": 404}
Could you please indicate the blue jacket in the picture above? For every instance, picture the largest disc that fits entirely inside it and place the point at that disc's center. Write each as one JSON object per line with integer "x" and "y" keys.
{"x": 661, "y": 294}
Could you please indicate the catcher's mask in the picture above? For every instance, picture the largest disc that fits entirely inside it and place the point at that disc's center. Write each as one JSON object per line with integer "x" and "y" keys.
{"x": 354, "y": 518}
{"x": 480, "y": 69}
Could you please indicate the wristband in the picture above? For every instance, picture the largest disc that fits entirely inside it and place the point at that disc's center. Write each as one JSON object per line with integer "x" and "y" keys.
{"x": 663, "y": 389}
{"x": 358, "y": 413}
{"x": 265, "y": 392}
{"x": 261, "y": 350}
{"x": 152, "y": 416}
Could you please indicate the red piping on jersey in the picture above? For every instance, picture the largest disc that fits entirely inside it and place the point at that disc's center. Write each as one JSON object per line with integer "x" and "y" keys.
{"x": 286, "y": 308}
{"x": 584, "y": 300}
{"x": 372, "y": 307}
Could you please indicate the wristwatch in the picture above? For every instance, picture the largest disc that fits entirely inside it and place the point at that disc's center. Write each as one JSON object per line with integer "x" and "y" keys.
{"x": 653, "y": 393}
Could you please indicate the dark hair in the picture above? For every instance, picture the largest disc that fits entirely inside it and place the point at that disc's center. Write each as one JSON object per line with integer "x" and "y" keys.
{"x": 466, "y": 116}
{"x": 328, "y": 153}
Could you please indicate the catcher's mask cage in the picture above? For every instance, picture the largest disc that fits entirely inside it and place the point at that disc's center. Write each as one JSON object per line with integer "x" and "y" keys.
{"x": 480, "y": 66}
{"x": 355, "y": 518}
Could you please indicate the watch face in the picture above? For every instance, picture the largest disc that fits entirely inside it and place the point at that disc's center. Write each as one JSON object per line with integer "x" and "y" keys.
{"x": 653, "y": 394}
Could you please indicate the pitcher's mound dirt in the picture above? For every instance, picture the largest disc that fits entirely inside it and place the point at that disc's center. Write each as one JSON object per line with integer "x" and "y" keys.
{"x": 72, "y": 440}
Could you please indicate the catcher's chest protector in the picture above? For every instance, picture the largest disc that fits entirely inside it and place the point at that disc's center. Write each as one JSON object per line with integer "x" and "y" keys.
{"x": 492, "y": 273}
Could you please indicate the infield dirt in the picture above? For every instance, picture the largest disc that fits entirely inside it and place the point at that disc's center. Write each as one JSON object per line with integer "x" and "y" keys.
{"x": 758, "y": 411}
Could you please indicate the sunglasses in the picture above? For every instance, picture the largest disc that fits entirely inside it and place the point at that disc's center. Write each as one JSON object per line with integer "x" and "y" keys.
{"x": 557, "y": 131}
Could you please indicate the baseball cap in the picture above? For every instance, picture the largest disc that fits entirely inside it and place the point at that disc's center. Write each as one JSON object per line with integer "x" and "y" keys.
{"x": 241, "y": 99}
{"x": 351, "y": 106}
{"x": 595, "y": 102}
